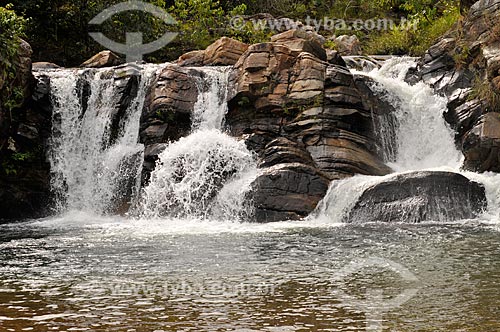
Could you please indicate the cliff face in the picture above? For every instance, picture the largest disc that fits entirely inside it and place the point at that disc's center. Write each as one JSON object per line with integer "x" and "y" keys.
{"x": 465, "y": 66}
{"x": 24, "y": 131}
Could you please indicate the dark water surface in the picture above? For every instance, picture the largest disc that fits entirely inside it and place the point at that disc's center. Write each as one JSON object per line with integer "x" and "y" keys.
{"x": 119, "y": 275}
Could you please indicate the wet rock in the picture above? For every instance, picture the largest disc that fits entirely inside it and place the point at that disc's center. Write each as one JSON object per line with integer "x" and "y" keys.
{"x": 385, "y": 123}
{"x": 168, "y": 106}
{"x": 151, "y": 156}
{"x": 24, "y": 132}
{"x": 481, "y": 145}
{"x": 224, "y": 52}
{"x": 103, "y": 59}
{"x": 420, "y": 196}
{"x": 287, "y": 192}
{"x": 285, "y": 151}
{"x": 25, "y": 195}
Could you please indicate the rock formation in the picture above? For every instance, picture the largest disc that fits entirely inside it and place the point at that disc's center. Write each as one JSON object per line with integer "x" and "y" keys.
{"x": 24, "y": 130}
{"x": 420, "y": 196}
{"x": 308, "y": 119}
{"x": 305, "y": 118}
{"x": 224, "y": 52}
{"x": 103, "y": 59}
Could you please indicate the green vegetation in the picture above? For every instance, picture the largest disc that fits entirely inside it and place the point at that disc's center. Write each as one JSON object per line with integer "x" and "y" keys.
{"x": 11, "y": 30}
{"x": 12, "y": 163}
{"x": 58, "y": 29}
{"x": 482, "y": 90}
{"x": 429, "y": 26}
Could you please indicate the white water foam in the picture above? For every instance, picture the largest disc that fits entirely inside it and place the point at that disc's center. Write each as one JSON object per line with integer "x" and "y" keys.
{"x": 207, "y": 174}
{"x": 191, "y": 172}
{"x": 424, "y": 139}
{"x": 211, "y": 105}
{"x": 88, "y": 174}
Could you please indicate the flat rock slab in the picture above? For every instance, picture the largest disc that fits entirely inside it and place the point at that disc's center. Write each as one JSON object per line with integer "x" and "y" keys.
{"x": 420, "y": 196}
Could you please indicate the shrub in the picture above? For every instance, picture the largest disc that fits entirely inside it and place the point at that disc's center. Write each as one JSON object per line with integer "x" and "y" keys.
{"x": 12, "y": 28}
{"x": 414, "y": 41}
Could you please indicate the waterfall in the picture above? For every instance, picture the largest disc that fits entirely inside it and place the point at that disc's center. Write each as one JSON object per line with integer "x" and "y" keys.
{"x": 207, "y": 174}
{"x": 95, "y": 162}
{"x": 424, "y": 140}
{"x": 211, "y": 105}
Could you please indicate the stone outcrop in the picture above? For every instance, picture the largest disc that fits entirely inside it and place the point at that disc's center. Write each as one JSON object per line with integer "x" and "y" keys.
{"x": 348, "y": 45}
{"x": 306, "y": 119}
{"x": 224, "y": 52}
{"x": 103, "y": 59}
{"x": 465, "y": 66}
{"x": 44, "y": 65}
{"x": 168, "y": 105}
{"x": 481, "y": 144}
{"x": 287, "y": 191}
{"x": 420, "y": 196}
{"x": 24, "y": 130}
{"x": 300, "y": 40}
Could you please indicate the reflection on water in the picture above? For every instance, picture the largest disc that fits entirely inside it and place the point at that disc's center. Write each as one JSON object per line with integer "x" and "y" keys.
{"x": 118, "y": 276}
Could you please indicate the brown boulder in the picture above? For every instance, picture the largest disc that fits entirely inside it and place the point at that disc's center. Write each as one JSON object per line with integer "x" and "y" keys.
{"x": 103, "y": 59}
{"x": 348, "y": 45}
{"x": 287, "y": 192}
{"x": 44, "y": 65}
{"x": 300, "y": 40}
{"x": 224, "y": 52}
{"x": 168, "y": 105}
{"x": 481, "y": 145}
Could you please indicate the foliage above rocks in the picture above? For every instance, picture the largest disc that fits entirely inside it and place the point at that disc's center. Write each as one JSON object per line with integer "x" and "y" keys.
{"x": 12, "y": 50}
{"x": 58, "y": 29}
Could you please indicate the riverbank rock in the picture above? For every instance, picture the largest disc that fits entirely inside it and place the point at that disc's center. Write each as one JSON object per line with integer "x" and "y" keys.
{"x": 481, "y": 144}
{"x": 420, "y": 196}
{"x": 103, "y": 59}
{"x": 24, "y": 132}
{"x": 224, "y": 52}
{"x": 305, "y": 118}
{"x": 288, "y": 191}
{"x": 465, "y": 66}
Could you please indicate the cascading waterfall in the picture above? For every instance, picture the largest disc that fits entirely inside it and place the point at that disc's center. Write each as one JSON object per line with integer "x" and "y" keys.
{"x": 93, "y": 168}
{"x": 206, "y": 174}
{"x": 424, "y": 140}
{"x": 96, "y": 164}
